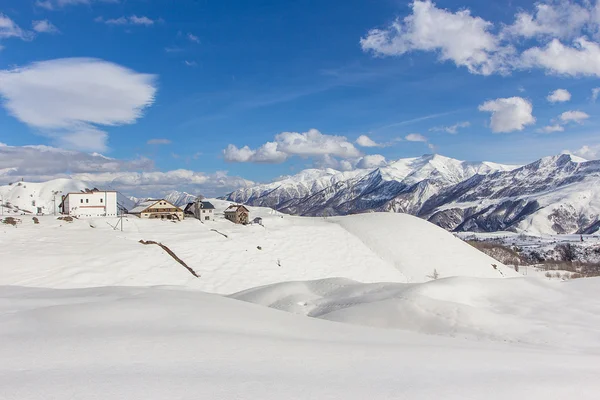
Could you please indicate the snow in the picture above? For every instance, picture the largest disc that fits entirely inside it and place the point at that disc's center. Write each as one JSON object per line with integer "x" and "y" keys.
{"x": 530, "y": 311}
{"x": 417, "y": 250}
{"x": 166, "y": 343}
{"x": 346, "y": 308}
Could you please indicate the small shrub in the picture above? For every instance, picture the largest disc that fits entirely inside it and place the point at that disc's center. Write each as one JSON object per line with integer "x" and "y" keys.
{"x": 36, "y": 220}
{"x": 11, "y": 221}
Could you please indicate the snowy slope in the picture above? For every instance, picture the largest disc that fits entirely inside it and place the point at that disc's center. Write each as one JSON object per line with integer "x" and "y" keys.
{"x": 88, "y": 252}
{"x": 27, "y": 196}
{"x": 515, "y": 310}
{"x": 160, "y": 343}
{"x": 417, "y": 248}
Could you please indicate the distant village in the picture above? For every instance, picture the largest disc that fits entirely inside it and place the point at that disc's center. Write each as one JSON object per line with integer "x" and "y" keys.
{"x": 104, "y": 203}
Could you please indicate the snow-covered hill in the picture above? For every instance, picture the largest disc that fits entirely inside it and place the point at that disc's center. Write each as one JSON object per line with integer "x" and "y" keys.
{"x": 559, "y": 194}
{"x": 27, "y": 197}
{"x": 367, "y": 248}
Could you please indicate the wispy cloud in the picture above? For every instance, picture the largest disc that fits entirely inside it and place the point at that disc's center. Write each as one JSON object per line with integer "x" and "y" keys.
{"x": 44, "y": 26}
{"x": 131, "y": 20}
{"x": 10, "y": 29}
{"x": 158, "y": 141}
{"x": 452, "y": 129}
{"x": 415, "y": 120}
{"x": 193, "y": 38}
{"x": 190, "y": 63}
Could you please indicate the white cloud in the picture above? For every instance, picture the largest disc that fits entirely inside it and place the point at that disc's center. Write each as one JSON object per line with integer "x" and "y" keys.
{"x": 452, "y": 129}
{"x": 287, "y": 144}
{"x": 67, "y": 99}
{"x": 574, "y": 116}
{"x": 472, "y": 42}
{"x": 10, "y": 29}
{"x": 190, "y": 63}
{"x": 588, "y": 152}
{"x": 459, "y": 37}
{"x": 559, "y": 96}
{"x": 561, "y": 18}
{"x": 135, "y": 177}
{"x": 365, "y": 141}
{"x": 509, "y": 114}
{"x": 158, "y": 141}
{"x": 371, "y": 161}
{"x": 143, "y": 20}
{"x": 193, "y": 38}
{"x": 415, "y": 137}
{"x": 581, "y": 59}
{"x": 131, "y": 20}
{"x": 551, "y": 128}
{"x": 44, "y": 26}
{"x": 45, "y": 160}
{"x": 54, "y": 4}
{"x": 595, "y": 93}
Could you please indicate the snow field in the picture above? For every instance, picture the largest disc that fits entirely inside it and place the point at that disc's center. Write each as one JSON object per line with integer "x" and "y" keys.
{"x": 163, "y": 343}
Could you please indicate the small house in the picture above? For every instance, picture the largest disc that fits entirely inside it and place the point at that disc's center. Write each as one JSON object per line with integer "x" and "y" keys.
{"x": 257, "y": 220}
{"x": 202, "y": 210}
{"x": 155, "y": 209}
{"x": 90, "y": 203}
{"x": 237, "y": 214}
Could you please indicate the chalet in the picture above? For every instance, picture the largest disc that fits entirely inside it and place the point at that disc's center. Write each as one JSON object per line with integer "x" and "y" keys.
{"x": 90, "y": 203}
{"x": 237, "y": 214}
{"x": 155, "y": 209}
{"x": 202, "y": 210}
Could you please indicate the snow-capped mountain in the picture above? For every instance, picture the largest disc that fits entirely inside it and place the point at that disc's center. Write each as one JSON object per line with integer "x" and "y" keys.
{"x": 402, "y": 186}
{"x": 176, "y": 198}
{"x": 180, "y": 198}
{"x": 559, "y": 194}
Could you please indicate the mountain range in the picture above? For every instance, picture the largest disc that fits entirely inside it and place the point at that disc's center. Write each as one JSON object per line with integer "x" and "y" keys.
{"x": 557, "y": 194}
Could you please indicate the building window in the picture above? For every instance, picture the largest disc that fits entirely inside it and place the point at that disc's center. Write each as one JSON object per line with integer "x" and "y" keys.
{"x": 203, "y": 211}
{"x": 101, "y": 200}
{"x": 207, "y": 218}
{"x": 81, "y": 200}
{"x": 87, "y": 200}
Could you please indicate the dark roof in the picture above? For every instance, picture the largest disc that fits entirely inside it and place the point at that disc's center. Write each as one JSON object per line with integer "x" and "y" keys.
{"x": 189, "y": 207}
{"x": 207, "y": 205}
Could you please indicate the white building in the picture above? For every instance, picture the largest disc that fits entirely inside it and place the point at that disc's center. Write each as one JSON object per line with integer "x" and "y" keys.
{"x": 202, "y": 210}
{"x": 93, "y": 203}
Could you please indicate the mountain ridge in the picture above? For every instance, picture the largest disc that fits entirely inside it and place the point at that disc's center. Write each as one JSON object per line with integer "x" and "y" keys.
{"x": 457, "y": 195}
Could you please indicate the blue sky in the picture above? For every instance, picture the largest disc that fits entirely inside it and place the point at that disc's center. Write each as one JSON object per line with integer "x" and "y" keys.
{"x": 206, "y": 76}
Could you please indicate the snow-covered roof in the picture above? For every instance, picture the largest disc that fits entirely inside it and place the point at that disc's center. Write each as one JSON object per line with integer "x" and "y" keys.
{"x": 142, "y": 206}
{"x": 235, "y": 208}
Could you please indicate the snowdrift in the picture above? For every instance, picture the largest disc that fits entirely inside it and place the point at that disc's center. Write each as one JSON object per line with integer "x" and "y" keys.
{"x": 418, "y": 248}
{"x": 508, "y": 310}
{"x": 160, "y": 343}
